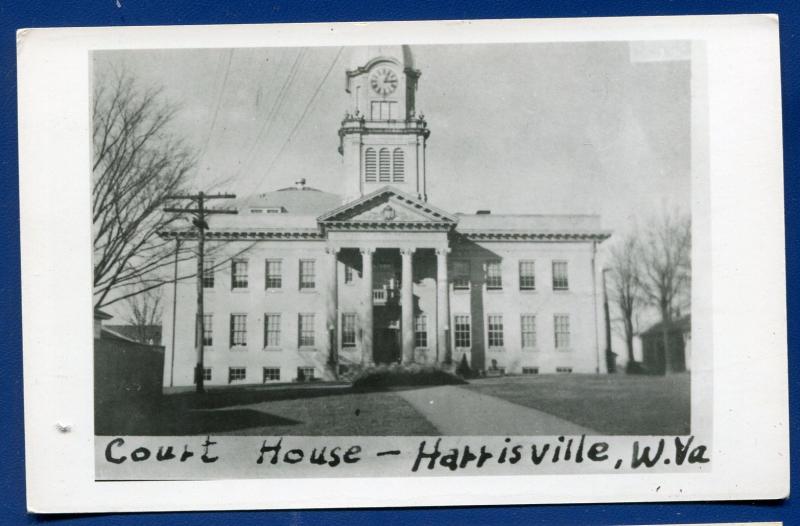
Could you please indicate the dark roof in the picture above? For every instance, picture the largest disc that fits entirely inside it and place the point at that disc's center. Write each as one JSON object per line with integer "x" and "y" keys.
{"x": 102, "y": 315}
{"x": 152, "y": 333}
{"x": 682, "y": 324}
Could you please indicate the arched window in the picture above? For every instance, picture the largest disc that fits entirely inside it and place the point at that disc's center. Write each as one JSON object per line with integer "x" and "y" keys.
{"x": 369, "y": 166}
{"x": 398, "y": 166}
{"x": 384, "y": 165}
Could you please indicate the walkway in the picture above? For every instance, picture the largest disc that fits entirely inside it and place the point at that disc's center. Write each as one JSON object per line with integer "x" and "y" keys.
{"x": 456, "y": 411}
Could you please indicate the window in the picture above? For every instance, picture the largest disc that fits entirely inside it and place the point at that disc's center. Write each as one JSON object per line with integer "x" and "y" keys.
{"x": 384, "y": 164}
{"x": 239, "y": 274}
{"x": 370, "y": 166}
{"x": 238, "y": 330}
{"x": 307, "y": 277}
{"x": 460, "y": 275}
{"x": 348, "y": 330}
{"x": 272, "y": 330}
{"x": 208, "y": 330}
{"x": 383, "y": 110}
{"x": 348, "y": 274}
{"x": 560, "y": 277}
{"x": 527, "y": 275}
{"x": 528, "y": 326}
{"x": 305, "y": 328}
{"x": 236, "y": 374}
{"x": 421, "y": 331}
{"x": 208, "y": 273}
{"x": 207, "y": 374}
{"x": 273, "y": 278}
{"x": 530, "y": 370}
{"x": 305, "y": 374}
{"x": 563, "y": 369}
{"x": 272, "y": 374}
{"x": 398, "y": 166}
{"x": 495, "y": 330}
{"x": 561, "y": 323}
{"x": 463, "y": 331}
{"x": 494, "y": 276}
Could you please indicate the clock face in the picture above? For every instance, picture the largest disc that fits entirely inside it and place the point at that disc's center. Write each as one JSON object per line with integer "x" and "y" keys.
{"x": 383, "y": 81}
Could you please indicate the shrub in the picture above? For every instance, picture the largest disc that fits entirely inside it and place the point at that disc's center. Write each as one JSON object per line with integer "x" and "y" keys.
{"x": 635, "y": 368}
{"x": 396, "y": 375}
{"x": 463, "y": 370}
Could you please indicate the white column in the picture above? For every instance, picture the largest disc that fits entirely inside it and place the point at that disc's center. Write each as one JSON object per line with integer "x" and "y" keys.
{"x": 407, "y": 304}
{"x": 366, "y": 311}
{"x": 442, "y": 306}
{"x": 332, "y": 305}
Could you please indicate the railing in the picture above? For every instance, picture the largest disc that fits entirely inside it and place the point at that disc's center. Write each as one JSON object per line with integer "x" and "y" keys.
{"x": 380, "y": 296}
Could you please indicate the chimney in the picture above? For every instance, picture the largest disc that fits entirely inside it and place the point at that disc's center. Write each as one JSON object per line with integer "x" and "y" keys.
{"x": 300, "y": 184}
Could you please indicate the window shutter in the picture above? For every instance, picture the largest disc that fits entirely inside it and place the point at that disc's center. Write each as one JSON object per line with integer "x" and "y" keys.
{"x": 398, "y": 166}
{"x": 370, "y": 166}
{"x": 384, "y": 165}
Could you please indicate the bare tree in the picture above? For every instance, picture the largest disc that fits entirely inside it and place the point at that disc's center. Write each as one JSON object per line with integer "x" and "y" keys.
{"x": 625, "y": 270}
{"x": 137, "y": 162}
{"x": 666, "y": 269}
{"x": 144, "y": 312}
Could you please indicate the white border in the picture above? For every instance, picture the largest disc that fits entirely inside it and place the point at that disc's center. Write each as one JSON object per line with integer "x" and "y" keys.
{"x": 747, "y": 300}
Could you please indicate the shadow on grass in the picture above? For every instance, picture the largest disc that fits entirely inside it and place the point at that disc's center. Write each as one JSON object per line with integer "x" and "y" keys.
{"x": 239, "y": 396}
{"x": 221, "y": 410}
{"x": 195, "y": 422}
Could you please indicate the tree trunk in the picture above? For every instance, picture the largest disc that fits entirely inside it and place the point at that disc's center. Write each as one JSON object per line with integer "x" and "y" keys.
{"x": 665, "y": 326}
{"x": 629, "y": 340}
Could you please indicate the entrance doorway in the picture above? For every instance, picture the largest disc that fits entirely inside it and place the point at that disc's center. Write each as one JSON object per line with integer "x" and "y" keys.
{"x": 386, "y": 345}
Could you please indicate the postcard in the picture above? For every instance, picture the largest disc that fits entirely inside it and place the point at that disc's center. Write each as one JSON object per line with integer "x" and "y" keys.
{"x": 403, "y": 264}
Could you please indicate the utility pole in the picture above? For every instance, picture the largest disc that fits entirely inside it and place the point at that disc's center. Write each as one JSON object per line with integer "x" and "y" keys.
{"x": 174, "y": 308}
{"x": 200, "y": 212}
{"x": 609, "y": 352}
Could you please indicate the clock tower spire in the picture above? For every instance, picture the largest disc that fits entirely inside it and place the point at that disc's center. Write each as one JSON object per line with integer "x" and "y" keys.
{"x": 382, "y": 138}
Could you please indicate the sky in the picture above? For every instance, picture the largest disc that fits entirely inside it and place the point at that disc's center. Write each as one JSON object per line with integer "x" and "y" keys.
{"x": 516, "y": 128}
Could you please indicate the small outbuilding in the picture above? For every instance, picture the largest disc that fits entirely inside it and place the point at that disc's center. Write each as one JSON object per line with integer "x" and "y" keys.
{"x": 127, "y": 377}
{"x": 679, "y": 338}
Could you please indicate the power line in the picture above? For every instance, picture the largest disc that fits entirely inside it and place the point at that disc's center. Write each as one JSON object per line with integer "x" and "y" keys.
{"x": 276, "y": 105}
{"x": 217, "y": 107}
{"x": 308, "y": 106}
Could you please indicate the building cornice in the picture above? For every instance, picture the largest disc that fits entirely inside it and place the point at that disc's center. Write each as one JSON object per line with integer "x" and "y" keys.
{"x": 247, "y": 235}
{"x": 520, "y": 235}
{"x": 437, "y": 215}
{"x": 392, "y": 226}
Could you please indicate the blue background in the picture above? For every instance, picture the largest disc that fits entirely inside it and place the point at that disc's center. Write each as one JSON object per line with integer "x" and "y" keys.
{"x": 14, "y": 15}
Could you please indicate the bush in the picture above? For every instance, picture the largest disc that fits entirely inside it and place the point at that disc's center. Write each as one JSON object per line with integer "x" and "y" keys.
{"x": 463, "y": 370}
{"x": 635, "y": 368}
{"x": 396, "y": 375}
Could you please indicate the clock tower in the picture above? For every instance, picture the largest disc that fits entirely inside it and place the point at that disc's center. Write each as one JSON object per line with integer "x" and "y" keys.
{"x": 382, "y": 138}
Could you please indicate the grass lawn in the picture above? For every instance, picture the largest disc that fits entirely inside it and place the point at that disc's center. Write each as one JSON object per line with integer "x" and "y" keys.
{"x": 304, "y": 411}
{"x": 610, "y": 404}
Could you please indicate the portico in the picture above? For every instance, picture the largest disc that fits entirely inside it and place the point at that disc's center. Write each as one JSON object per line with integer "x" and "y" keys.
{"x": 391, "y": 291}
{"x": 382, "y": 226}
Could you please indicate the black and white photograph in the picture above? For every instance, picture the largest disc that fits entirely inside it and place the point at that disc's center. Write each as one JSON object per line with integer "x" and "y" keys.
{"x": 392, "y": 257}
{"x": 393, "y": 240}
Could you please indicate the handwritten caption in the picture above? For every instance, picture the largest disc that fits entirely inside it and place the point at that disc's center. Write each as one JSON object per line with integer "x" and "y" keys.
{"x": 430, "y": 455}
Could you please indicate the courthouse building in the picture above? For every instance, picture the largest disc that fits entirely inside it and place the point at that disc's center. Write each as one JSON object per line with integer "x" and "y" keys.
{"x": 306, "y": 284}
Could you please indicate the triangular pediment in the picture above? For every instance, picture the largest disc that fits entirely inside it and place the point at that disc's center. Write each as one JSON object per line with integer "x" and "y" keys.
{"x": 388, "y": 206}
